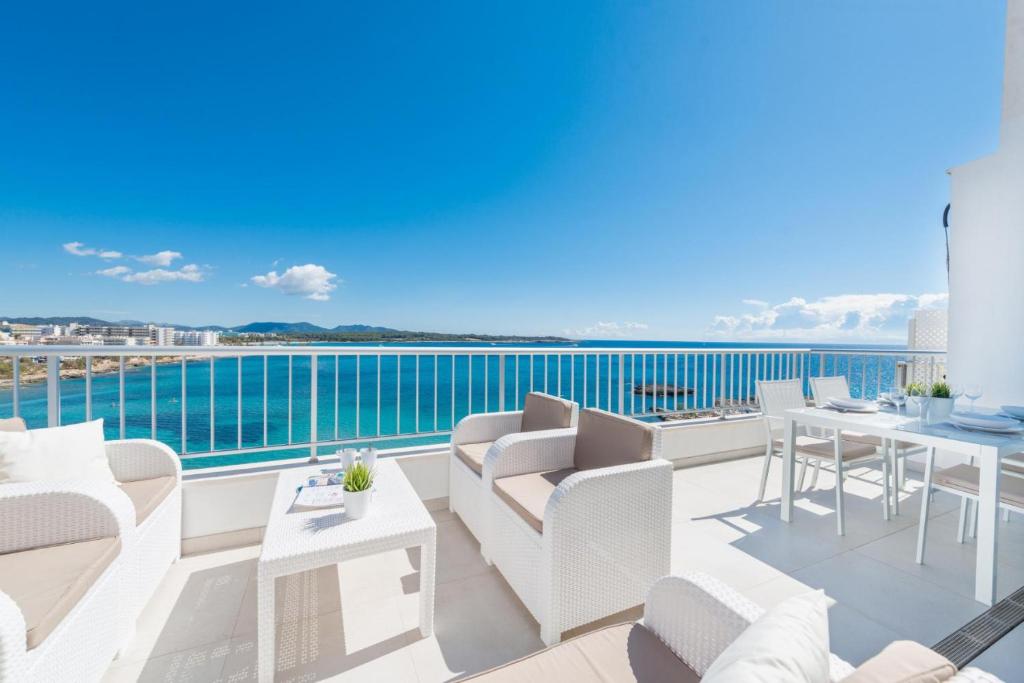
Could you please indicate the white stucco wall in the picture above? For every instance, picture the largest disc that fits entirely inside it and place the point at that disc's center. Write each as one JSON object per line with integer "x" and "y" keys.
{"x": 986, "y": 284}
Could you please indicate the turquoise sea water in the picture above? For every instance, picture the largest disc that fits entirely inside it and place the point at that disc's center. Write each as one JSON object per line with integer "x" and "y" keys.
{"x": 399, "y": 413}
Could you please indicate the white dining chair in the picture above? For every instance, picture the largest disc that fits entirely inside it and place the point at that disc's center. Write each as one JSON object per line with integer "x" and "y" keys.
{"x": 1013, "y": 466}
{"x": 775, "y": 398}
{"x": 962, "y": 480}
{"x": 825, "y": 388}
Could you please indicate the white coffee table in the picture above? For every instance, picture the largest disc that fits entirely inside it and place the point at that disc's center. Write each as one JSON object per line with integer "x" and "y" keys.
{"x": 301, "y": 540}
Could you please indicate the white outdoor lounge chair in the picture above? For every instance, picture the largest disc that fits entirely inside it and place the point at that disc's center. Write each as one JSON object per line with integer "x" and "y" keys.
{"x": 688, "y": 622}
{"x": 580, "y": 519}
{"x": 474, "y": 436}
{"x": 824, "y": 388}
{"x": 778, "y": 396}
{"x": 149, "y": 472}
{"x": 66, "y": 580}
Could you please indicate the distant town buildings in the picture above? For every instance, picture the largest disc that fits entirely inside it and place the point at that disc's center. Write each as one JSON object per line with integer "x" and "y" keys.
{"x": 74, "y": 334}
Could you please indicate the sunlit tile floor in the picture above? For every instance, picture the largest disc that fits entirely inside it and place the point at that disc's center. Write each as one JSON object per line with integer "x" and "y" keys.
{"x": 359, "y": 620}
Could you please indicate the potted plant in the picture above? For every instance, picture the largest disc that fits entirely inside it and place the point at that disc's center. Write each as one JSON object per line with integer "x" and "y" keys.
{"x": 358, "y": 485}
{"x": 941, "y": 404}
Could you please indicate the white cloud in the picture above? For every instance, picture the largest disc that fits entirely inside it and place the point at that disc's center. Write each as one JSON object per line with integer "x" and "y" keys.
{"x": 847, "y": 316}
{"x": 116, "y": 271}
{"x": 79, "y": 249}
{"x": 161, "y": 258}
{"x": 608, "y": 330}
{"x": 189, "y": 273}
{"x": 311, "y": 281}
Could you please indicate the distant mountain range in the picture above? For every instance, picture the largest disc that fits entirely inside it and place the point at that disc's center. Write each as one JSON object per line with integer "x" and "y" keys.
{"x": 256, "y": 328}
{"x": 287, "y": 328}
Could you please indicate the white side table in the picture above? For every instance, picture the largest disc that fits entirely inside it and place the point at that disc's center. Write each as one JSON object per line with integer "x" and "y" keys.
{"x": 302, "y": 540}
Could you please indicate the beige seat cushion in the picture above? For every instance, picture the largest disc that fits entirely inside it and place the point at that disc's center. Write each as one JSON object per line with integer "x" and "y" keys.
{"x": 626, "y": 653}
{"x": 13, "y": 424}
{"x": 541, "y": 411}
{"x": 876, "y": 441}
{"x": 527, "y": 494}
{"x": 904, "y": 661}
{"x": 147, "y": 494}
{"x": 824, "y": 449}
{"x": 46, "y": 583}
{"x": 965, "y": 478}
{"x": 605, "y": 439}
{"x": 1015, "y": 464}
{"x": 472, "y": 454}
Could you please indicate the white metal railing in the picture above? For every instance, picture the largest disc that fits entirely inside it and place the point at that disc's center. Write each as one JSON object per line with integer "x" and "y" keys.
{"x": 229, "y": 400}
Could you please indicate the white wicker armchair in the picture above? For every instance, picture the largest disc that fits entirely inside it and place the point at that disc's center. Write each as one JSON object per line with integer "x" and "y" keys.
{"x": 86, "y": 639}
{"x": 474, "y": 435}
{"x": 595, "y": 544}
{"x": 688, "y": 622}
{"x": 698, "y": 616}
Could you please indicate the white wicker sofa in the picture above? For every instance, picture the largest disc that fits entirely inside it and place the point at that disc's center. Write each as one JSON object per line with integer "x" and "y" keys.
{"x": 688, "y": 622}
{"x": 148, "y": 489}
{"x": 66, "y": 578}
{"x": 473, "y": 437}
{"x": 580, "y": 519}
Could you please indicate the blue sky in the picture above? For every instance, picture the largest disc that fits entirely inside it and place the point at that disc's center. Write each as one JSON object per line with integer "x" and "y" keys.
{"x": 665, "y": 170}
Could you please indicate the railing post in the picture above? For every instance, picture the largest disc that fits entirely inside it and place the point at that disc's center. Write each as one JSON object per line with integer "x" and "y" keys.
{"x": 501, "y": 383}
{"x": 53, "y": 391}
{"x": 312, "y": 409}
{"x": 16, "y": 386}
{"x": 622, "y": 386}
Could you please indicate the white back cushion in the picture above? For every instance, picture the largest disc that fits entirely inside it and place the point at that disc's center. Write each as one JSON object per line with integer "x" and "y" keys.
{"x": 57, "y": 453}
{"x": 788, "y": 644}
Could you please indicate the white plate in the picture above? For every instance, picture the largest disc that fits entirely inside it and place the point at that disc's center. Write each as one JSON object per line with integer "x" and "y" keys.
{"x": 983, "y": 421}
{"x": 1016, "y": 412}
{"x": 853, "y": 404}
{"x": 989, "y": 430}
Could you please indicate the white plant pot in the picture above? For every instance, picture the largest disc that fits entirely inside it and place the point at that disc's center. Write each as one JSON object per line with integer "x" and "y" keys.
{"x": 911, "y": 409}
{"x": 939, "y": 409}
{"x": 357, "y": 503}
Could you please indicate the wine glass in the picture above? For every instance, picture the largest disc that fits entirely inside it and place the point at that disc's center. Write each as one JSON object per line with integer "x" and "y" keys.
{"x": 955, "y": 392}
{"x": 920, "y": 395}
{"x": 973, "y": 392}
{"x": 898, "y": 395}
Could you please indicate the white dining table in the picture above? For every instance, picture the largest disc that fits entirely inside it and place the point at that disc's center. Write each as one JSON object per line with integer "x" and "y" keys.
{"x": 988, "y": 450}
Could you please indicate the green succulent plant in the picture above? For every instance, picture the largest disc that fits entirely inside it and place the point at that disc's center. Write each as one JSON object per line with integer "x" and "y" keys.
{"x": 915, "y": 387}
{"x": 359, "y": 477}
{"x": 941, "y": 390}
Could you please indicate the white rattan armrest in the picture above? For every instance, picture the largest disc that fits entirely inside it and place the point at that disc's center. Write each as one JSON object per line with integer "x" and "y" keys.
{"x": 526, "y": 452}
{"x": 619, "y": 485}
{"x": 39, "y": 514}
{"x": 134, "y": 459}
{"x": 486, "y": 427}
{"x": 697, "y": 617}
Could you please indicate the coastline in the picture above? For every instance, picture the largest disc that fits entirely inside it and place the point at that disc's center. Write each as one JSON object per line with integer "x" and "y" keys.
{"x": 101, "y": 366}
